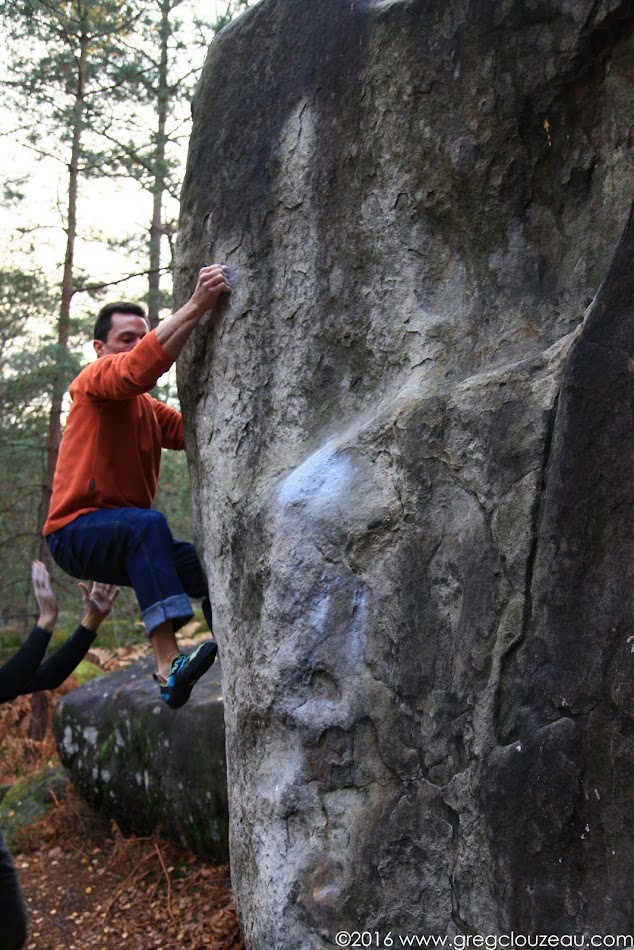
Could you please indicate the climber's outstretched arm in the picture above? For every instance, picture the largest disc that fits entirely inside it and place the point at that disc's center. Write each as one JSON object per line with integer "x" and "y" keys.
{"x": 174, "y": 333}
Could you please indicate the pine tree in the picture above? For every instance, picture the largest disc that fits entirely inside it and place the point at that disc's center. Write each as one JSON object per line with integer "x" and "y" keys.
{"x": 165, "y": 56}
{"x": 26, "y": 375}
{"x": 65, "y": 59}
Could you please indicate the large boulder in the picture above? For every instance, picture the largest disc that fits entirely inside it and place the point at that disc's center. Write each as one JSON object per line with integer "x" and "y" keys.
{"x": 411, "y": 461}
{"x": 146, "y": 765}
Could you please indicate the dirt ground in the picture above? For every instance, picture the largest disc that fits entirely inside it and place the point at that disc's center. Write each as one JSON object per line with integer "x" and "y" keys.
{"x": 85, "y": 884}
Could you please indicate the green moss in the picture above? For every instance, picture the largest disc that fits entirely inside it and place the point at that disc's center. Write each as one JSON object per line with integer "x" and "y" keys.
{"x": 87, "y": 671}
{"x": 105, "y": 750}
{"x": 140, "y": 748}
{"x": 210, "y": 838}
{"x": 26, "y": 803}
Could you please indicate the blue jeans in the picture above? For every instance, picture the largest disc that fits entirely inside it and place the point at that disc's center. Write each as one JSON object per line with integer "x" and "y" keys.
{"x": 134, "y": 547}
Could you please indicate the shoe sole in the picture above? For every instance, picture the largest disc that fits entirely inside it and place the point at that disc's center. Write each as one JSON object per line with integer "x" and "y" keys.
{"x": 181, "y": 691}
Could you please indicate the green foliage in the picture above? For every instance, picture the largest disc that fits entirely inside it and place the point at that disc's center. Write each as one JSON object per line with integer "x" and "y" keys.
{"x": 173, "y": 497}
{"x": 45, "y": 39}
{"x": 14, "y": 190}
{"x": 26, "y": 312}
{"x": 234, "y": 8}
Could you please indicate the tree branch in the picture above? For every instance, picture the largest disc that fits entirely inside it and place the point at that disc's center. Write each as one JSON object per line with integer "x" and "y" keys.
{"x": 91, "y": 288}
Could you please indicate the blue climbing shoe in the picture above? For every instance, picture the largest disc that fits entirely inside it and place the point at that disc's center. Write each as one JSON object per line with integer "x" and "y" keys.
{"x": 185, "y": 672}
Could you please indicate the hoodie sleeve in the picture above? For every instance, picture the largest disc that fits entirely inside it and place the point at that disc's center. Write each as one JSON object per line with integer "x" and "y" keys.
{"x": 171, "y": 423}
{"x": 124, "y": 375}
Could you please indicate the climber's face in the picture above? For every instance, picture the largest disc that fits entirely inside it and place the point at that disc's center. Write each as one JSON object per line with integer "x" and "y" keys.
{"x": 126, "y": 331}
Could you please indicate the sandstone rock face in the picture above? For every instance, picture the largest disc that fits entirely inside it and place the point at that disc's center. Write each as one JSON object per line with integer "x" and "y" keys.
{"x": 411, "y": 459}
{"x": 144, "y": 764}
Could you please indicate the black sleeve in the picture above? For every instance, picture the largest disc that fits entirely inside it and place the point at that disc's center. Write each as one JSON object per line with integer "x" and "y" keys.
{"x": 60, "y": 664}
{"x": 16, "y": 673}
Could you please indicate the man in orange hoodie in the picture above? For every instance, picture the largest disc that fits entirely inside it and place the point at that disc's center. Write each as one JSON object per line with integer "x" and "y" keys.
{"x": 101, "y": 524}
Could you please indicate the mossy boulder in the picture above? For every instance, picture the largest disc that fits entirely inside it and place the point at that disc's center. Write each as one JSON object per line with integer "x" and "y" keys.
{"x": 144, "y": 764}
{"x": 28, "y": 801}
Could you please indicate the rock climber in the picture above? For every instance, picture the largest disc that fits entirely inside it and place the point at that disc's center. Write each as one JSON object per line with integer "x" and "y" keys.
{"x": 101, "y": 524}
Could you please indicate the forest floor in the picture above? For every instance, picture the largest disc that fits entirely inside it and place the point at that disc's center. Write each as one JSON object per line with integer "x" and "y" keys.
{"x": 88, "y": 886}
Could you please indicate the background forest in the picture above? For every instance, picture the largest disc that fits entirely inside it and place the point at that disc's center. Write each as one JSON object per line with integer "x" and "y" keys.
{"x": 93, "y": 134}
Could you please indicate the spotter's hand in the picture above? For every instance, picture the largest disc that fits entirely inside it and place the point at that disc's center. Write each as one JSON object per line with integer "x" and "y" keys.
{"x": 46, "y": 600}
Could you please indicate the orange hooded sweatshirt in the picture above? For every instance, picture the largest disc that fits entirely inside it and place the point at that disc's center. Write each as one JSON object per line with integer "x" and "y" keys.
{"x": 110, "y": 453}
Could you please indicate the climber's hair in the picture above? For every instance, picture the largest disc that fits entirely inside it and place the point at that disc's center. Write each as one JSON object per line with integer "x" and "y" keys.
{"x": 104, "y": 317}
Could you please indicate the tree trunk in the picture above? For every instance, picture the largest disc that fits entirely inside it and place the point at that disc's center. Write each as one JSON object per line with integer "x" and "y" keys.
{"x": 158, "y": 188}
{"x": 63, "y": 326}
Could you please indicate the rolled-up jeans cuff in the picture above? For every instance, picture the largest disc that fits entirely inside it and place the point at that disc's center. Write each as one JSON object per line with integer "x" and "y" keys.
{"x": 176, "y": 608}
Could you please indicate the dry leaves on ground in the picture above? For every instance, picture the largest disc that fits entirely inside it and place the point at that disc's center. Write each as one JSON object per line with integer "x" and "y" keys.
{"x": 88, "y": 886}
